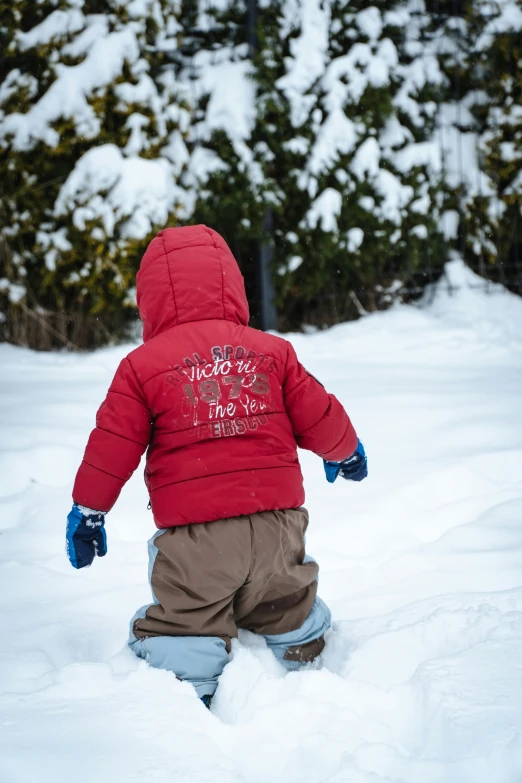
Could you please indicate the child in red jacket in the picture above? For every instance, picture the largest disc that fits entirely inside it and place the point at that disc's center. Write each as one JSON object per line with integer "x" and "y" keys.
{"x": 220, "y": 409}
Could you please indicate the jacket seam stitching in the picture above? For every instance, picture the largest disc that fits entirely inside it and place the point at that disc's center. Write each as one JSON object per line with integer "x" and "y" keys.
{"x": 223, "y": 473}
{"x": 216, "y": 248}
{"x": 153, "y": 260}
{"x": 340, "y": 441}
{"x": 117, "y": 435}
{"x": 319, "y": 420}
{"x": 162, "y": 372}
{"x": 95, "y": 467}
{"x": 300, "y": 384}
{"x": 197, "y": 244}
{"x": 170, "y": 278}
{"x": 133, "y": 372}
{"x": 129, "y": 396}
{"x": 145, "y": 401}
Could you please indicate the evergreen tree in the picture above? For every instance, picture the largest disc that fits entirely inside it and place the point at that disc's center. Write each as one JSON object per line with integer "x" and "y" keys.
{"x": 92, "y": 127}
{"x": 225, "y": 168}
{"x": 494, "y": 215}
{"x": 347, "y": 110}
{"x": 483, "y": 134}
{"x": 351, "y": 136}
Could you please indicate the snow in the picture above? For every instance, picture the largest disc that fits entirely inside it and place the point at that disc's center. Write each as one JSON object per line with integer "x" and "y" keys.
{"x": 508, "y": 20}
{"x": 425, "y": 153}
{"x": 460, "y": 147}
{"x": 294, "y": 262}
{"x": 346, "y": 78}
{"x": 450, "y": 224}
{"x": 298, "y": 145}
{"x": 57, "y": 24}
{"x": 13, "y": 81}
{"x": 232, "y": 90}
{"x": 140, "y": 192}
{"x": 324, "y": 210}
{"x": 177, "y": 111}
{"x": 126, "y": 193}
{"x": 224, "y": 76}
{"x": 369, "y": 22}
{"x": 68, "y": 95}
{"x": 355, "y": 238}
{"x": 421, "y": 680}
{"x": 52, "y": 244}
{"x": 423, "y": 70}
{"x": 420, "y": 231}
{"x": 325, "y": 88}
{"x": 366, "y": 159}
{"x": 336, "y": 136}
{"x": 97, "y": 28}
{"x": 203, "y": 162}
{"x": 394, "y": 135}
{"x": 395, "y": 195}
{"x": 515, "y": 187}
{"x": 14, "y": 291}
{"x": 307, "y": 63}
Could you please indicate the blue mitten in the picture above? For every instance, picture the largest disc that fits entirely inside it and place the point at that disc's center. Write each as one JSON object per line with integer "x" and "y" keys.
{"x": 355, "y": 468}
{"x": 332, "y": 470}
{"x": 85, "y": 536}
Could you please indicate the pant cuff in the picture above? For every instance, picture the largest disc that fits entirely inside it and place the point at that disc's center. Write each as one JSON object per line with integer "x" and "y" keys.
{"x": 199, "y": 660}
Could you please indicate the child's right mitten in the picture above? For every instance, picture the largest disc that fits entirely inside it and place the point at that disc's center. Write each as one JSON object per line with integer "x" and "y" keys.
{"x": 85, "y": 536}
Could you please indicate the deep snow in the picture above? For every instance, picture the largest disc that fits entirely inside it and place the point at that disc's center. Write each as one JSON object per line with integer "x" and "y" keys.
{"x": 421, "y": 681}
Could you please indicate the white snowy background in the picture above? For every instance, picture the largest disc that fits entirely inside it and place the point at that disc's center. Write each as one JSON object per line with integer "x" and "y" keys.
{"x": 421, "y": 680}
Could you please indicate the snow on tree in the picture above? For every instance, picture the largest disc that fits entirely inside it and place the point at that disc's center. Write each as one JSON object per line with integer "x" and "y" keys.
{"x": 224, "y": 168}
{"x": 346, "y": 107}
{"x": 494, "y": 215}
{"x": 92, "y": 129}
{"x": 342, "y": 127}
{"x": 482, "y": 134}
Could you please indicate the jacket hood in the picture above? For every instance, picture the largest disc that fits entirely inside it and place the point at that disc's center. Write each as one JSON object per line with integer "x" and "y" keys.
{"x": 189, "y": 274}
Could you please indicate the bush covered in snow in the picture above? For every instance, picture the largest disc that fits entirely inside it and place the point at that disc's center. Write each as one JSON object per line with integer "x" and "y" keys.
{"x": 370, "y": 137}
{"x": 494, "y": 216}
{"x": 92, "y": 127}
{"x": 481, "y": 56}
{"x": 346, "y": 116}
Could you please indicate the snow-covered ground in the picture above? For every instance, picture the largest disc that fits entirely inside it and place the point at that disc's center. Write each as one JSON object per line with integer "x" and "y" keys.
{"x": 421, "y": 681}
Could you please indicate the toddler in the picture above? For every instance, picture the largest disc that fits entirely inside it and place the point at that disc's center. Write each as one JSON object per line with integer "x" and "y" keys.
{"x": 220, "y": 408}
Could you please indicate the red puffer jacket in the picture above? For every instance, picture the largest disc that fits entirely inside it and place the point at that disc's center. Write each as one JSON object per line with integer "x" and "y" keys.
{"x": 220, "y": 407}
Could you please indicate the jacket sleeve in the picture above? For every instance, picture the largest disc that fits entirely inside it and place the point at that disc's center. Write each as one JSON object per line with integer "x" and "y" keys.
{"x": 115, "y": 446}
{"x": 319, "y": 421}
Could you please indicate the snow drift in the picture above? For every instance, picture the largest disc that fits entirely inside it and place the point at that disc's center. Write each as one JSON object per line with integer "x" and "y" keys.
{"x": 421, "y": 680}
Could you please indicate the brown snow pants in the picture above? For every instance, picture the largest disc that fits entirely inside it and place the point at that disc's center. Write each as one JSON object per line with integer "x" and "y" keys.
{"x": 245, "y": 572}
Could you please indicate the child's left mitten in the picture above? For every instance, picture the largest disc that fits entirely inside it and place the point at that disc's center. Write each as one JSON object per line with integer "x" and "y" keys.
{"x": 85, "y": 536}
{"x": 355, "y": 468}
